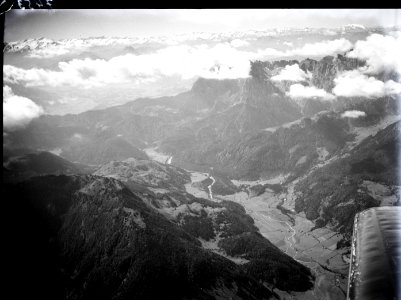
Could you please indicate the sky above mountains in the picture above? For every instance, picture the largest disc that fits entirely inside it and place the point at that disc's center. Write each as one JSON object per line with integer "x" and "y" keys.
{"x": 64, "y": 24}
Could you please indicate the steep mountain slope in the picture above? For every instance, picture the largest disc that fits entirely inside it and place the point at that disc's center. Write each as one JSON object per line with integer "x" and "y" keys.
{"x": 38, "y": 163}
{"x": 220, "y": 226}
{"x": 132, "y": 228}
{"x": 76, "y": 141}
{"x": 146, "y": 173}
{"x": 94, "y": 239}
{"x": 193, "y": 126}
{"x": 325, "y": 70}
{"x": 259, "y": 104}
{"x": 368, "y": 177}
{"x": 212, "y": 111}
{"x": 264, "y": 104}
{"x": 211, "y": 124}
{"x": 292, "y": 148}
{"x": 295, "y": 147}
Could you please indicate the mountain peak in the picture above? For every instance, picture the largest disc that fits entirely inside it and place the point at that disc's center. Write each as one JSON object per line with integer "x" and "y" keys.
{"x": 211, "y": 88}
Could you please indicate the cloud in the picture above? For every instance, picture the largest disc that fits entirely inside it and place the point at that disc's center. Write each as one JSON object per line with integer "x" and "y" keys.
{"x": 354, "y": 114}
{"x": 48, "y": 52}
{"x": 395, "y": 33}
{"x": 289, "y": 44}
{"x": 355, "y": 84}
{"x": 236, "y": 43}
{"x": 291, "y": 73}
{"x": 392, "y": 88}
{"x": 319, "y": 49}
{"x": 219, "y": 61}
{"x": 18, "y": 111}
{"x": 298, "y": 91}
{"x": 322, "y": 48}
{"x": 382, "y": 53}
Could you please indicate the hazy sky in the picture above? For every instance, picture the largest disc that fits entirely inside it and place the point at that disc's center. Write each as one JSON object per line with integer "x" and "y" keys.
{"x": 61, "y": 24}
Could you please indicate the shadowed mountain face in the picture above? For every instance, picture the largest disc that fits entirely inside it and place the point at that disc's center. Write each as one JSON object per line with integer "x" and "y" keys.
{"x": 162, "y": 187}
{"x": 374, "y": 160}
{"x": 212, "y": 111}
{"x": 111, "y": 245}
{"x": 324, "y": 71}
{"x": 33, "y": 163}
{"x": 94, "y": 238}
{"x": 42, "y": 163}
{"x": 195, "y": 126}
{"x": 292, "y": 148}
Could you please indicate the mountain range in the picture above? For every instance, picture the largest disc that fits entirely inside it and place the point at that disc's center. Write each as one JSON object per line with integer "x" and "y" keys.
{"x": 108, "y": 222}
{"x": 131, "y": 225}
{"x": 41, "y": 43}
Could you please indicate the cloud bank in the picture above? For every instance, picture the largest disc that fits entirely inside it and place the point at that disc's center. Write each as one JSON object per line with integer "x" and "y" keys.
{"x": 221, "y": 61}
{"x": 355, "y": 84}
{"x": 291, "y": 73}
{"x": 239, "y": 43}
{"x": 322, "y": 48}
{"x": 382, "y": 53}
{"x": 18, "y": 111}
{"x": 298, "y": 91}
{"x": 319, "y": 49}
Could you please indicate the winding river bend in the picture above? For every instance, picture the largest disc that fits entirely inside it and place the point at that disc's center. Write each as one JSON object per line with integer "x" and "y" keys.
{"x": 274, "y": 215}
{"x": 209, "y": 187}
{"x": 293, "y": 234}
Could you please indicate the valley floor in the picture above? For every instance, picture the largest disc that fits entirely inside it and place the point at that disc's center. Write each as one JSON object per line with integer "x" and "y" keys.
{"x": 292, "y": 234}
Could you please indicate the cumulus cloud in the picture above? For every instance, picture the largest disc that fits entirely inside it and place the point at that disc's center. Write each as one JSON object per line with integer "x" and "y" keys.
{"x": 392, "y": 88}
{"x": 219, "y": 61}
{"x": 48, "y": 52}
{"x": 355, "y": 84}
{"x": 323, "y": 48}
{"x": 18, "y": 111}
{"x": 298, "y": 91}
{"x": 354, "y": 114}
{"x": 239, "y": 43}
{"x": 291, "y": 73}
{"x": 395, "y": 33}
{"x": 382, "y": 53}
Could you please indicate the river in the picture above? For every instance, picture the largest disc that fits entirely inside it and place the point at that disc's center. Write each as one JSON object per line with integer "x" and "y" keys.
{"x": 290, "y": 232}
